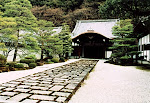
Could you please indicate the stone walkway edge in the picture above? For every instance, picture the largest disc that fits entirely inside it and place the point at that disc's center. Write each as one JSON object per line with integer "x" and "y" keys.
{"x": 55, "y": 85}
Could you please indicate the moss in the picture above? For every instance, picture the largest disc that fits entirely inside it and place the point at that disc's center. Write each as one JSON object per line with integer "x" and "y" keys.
{"x": 55, "y": 60}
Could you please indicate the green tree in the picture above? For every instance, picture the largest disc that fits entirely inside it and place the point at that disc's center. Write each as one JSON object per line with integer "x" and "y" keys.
{"x": 25, "y": 20}
{"x": 65, "y": 4}
{"x": 7, "y": 25}
{"x": 66, "y": 39}
{"x": 8, "y": 38}
{"x": 124, "y": 47}
{"x": 50, "y": 45}
{"x": 44, "y": 30}
{"x": 124, "y": 8}
{"x": 53, "y": 46}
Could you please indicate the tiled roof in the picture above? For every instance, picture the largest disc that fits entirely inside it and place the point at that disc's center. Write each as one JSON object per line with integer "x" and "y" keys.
{"x": 103, "y": 27}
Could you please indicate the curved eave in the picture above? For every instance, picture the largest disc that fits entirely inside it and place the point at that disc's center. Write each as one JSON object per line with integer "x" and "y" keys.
{"x": 92, "y": 32}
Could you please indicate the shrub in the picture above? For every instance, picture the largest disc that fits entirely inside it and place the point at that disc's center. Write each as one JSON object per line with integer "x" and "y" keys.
{"x": 23, "y": 60}
{"x": 4, "y": 69}
{"x": 55, "y": 60}
{"x": 62, "y": 59}
{"x": 2, "y": 60}
{"x": 28, "y": 57}
{"x": 11, "y": 64}
{"x": 19, "y": 65}
{"x": 31, "y": 57}
{"x": 27, "y": 61}
{"x": 32, "y": 65}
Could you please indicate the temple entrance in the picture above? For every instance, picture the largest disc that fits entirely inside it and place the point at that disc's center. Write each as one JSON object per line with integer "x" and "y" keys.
{"x": 90, "y": 45}
{"x": 96, "y": 52}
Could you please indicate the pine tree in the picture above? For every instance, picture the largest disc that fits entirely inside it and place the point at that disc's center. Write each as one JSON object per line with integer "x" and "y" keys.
{"x": 66, "y": 39}
{"x": 44, "y": 30}
{"x": 20, "y": 11}
{"x": 124, "y": 47}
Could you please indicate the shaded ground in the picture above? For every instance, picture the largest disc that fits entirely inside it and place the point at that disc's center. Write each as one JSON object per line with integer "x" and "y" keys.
{"x": 110, "y": 83}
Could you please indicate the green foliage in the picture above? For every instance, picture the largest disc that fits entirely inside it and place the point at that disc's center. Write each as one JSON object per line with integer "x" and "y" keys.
{"x": 44, "y": 31}
{"x": 124, "y": 46}
{"x": 124, "y": 8}
{"x": 124, "y": 28}
{"x": 3, "y": 47}
{"x": 66, "y": 39}
{"x": 19, "y": 12}
{"x": 28, "y": 57}
{"x": 7, "y": 25}
{"x": 19, "y": 65}
{"x": 50, "y": 45}
{"x": 30, "y": 43}
{"x": 27, "y": 61}
{"x": 55, "y": 60}
{"x": 31, "y": 57}
{"x": 11, "y": 64}
{"x": 50, "y": 62}
{"x": 125, "y": 57}
{"x": 3, "y": 60}
{"x": 32, "y": 65}
{"x": 54, "y": 46}
{"x": 65, "y": 4}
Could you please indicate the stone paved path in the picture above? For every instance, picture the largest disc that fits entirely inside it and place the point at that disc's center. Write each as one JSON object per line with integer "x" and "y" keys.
{"x": 55, "y": 85}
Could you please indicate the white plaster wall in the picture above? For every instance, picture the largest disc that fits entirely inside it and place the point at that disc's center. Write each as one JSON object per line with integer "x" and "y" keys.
{"x": 11, "y": 55}
{"x": 142, "y": 41}
{"x": 108, "y": 54}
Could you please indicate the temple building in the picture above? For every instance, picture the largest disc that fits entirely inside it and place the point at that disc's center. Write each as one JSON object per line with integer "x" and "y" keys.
{"x": 91, "y": 38}
{"x": 144, "y": 40}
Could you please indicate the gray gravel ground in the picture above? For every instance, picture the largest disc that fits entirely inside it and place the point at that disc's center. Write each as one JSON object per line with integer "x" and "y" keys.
{"x": 114, "y": 84}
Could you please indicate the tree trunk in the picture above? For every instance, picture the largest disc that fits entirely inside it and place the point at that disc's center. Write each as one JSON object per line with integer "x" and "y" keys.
{"x": 16, "y": 47}
{"x": 132, "y": 60}
{"x": 42, "y": 52}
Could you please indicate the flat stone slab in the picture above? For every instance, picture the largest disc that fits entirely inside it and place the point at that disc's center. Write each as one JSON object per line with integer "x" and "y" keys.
{"x": 43, "y": 97}
{"x": 22, "y": 90}
{"x": 19, "y": 97}
{"x": 61, "y": 99}
{"x": 29, "y": 101}
{"x": 61, "y": 94}
{"x": 9, "y": 93}
{"x": 55, "y": 85}
{"x": 56, "y": 88}
{"x": 41, "y": 92}
{"x": 4, "y": 97}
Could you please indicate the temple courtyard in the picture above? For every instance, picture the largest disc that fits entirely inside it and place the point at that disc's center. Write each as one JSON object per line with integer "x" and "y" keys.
{"x": 76, "y": 81}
